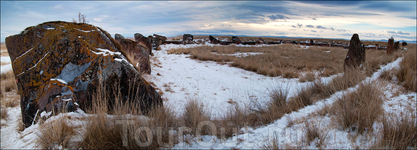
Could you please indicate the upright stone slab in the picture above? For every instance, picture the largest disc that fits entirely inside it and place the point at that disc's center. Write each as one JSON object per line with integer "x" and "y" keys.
{"x": 142, "y": 40}
{"x": 236, "y": 40}
{"x": 356, "y": 53}
{"x": 390, "y": 47}
{"x": 59, "y": 65}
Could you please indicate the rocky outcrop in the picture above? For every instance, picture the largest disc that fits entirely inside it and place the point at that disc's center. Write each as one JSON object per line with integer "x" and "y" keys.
{"x": 60, "y": 65}
{"x": 356, "y": 53}
{"x": 138, "y": 51}
{"x": 236, "y": 40}
{"x": 188, "y": 39}
{"x": 390, "y": 47}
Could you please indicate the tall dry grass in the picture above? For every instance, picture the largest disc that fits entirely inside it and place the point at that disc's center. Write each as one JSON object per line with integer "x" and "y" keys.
{"x": 358, "y": 110}
{"x": 120, "y": 130}
{"x": 287, "y": 60}
{"x": 376, "y": 58}
{"x": 398, "y": 132}
{"x": 408, "y": 72}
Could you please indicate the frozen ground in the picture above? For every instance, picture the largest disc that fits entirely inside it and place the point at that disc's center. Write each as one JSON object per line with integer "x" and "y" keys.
{"x": 218, "y": 86}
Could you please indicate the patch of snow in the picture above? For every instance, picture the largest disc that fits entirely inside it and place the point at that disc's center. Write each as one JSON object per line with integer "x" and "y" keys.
{"x": 60, "y": 80}
{"x": 85, "y": 30}
{"x": 5, "y": 59}
{"x": 35, "y": 64}
{"x": 6, "y": 68}
{"x": 49, "y": 28}
{"x": 23, "y": 54}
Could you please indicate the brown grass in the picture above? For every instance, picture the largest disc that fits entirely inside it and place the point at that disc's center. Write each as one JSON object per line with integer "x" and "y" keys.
{"x": 233, "y": 120}
{"x": 4, "y": 113}
{"x": 307, "y": 77}
{"x": 408, "y": 72}
{"x": 194, "y": 114}
{"x": 55, "y": 133}
{"x": 8, "y": 81}
{"x": 286, "y": 59}
{"x": 376, "y": 58}
{"x": 312, "y": 132}
{"x": 358, "y": 110}
{"x": 104, "y": 132}
{"x": 398, "y": 132}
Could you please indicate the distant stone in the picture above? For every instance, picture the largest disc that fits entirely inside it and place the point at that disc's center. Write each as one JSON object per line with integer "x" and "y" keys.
{"x": 390, "y": 47}
{"x": 157, "y": 41}
{"x": 236, "y": 40}
{"x": 213, "y": 40}
{"x": 188, "y": 39}
{"x": 261, "y": 41}
{"x": 140, "y": 53}
{"x": 404, "y": 43}
{"x": 59, "y": 65}
{"x": 396, "y": 45}
{"x": 356, "y": 53}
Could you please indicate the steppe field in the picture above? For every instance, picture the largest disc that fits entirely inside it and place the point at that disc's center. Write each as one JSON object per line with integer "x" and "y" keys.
{"x": 282, "y": 96}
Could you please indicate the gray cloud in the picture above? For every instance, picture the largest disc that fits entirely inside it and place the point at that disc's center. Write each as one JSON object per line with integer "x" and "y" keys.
{"x": 309, "y": 26}
{"x": 332, "y": 28}
{"x": 313, "y": 31}
{"x": 399, "y": 32}
{"x": 277, "y": 17}
{"x": 293, "y": 26}
{"x": 299, "y": 25}
{"x": 341, "y": 30}
{"x": 320, "y": 27}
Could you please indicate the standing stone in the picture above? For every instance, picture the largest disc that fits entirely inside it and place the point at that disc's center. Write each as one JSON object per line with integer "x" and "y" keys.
{"x": 142, "y": 40}
{"x": 188, "y": 39}
{"x": 140, "y": 53}
{"x": 311, "y": 42}
{"x": 356, "y": 53}
{"x": 60, "y": 65}
{"x": 158, "y": 40}
{"x": 396, "y": 45}
{"x": 236, "y": 40}
{"x": 390, "y": 47}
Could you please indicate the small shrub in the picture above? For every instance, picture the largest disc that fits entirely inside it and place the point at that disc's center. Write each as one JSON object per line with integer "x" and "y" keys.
{"x": 312, "y": 132}
{"x": 8, "y": 81}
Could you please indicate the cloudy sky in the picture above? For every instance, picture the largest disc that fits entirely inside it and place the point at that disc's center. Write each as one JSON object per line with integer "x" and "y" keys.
{"x": 372, "y": 20}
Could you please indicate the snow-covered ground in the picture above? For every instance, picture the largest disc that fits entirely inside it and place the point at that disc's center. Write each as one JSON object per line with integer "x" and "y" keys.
{"x": 217, "y": 87}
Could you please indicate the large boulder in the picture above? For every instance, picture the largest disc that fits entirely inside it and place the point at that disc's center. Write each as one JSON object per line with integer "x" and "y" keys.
{"x": 404, "y": 43}
{"x": 391, "y": 46}
{"x": 60, "y": 65}
{"x": 356, "y": 53}
{"x": 137, "y": 51}
{"x": 396, "y": 45}
{"x": 188, "y": 39}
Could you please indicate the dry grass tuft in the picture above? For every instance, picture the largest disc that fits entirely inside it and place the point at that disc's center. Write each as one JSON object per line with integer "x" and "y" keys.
{"x": 399, "y": 132}
{"x": 375, "y": 58}
{"x": 8, "y": 81}
{"x": 55, "y": 134}
{"x": 194, "y": 114}
{"x": 358, "y": 110}
{"x": 234, "y": 119}
{"x": 312, "y": 132}
{"x": 408, "y": 72}
{"x": 4, "y": 113}
{"x": 307, "y": 77}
